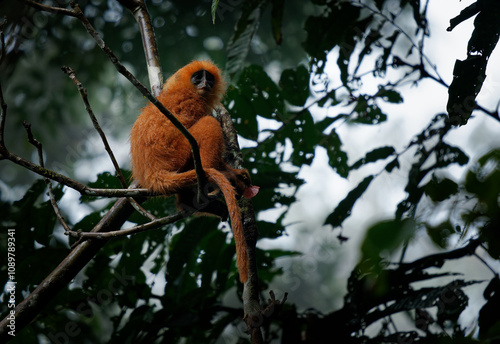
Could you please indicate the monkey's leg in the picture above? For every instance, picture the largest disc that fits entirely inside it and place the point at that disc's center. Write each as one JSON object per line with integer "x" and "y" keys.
{"x": 208, "y": 135}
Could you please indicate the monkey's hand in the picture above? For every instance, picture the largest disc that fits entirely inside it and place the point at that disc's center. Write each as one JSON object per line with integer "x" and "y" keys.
{"x": 240, "y": 179}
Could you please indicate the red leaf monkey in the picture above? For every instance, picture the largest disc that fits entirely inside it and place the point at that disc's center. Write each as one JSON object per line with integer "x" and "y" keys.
{"x": 161, "y": 156}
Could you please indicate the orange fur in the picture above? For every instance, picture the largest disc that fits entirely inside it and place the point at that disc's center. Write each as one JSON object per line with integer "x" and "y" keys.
{"x": 161, "y": 155}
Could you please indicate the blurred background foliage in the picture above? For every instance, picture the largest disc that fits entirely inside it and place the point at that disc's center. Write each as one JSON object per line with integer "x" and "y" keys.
{"x": 177, "y": 284}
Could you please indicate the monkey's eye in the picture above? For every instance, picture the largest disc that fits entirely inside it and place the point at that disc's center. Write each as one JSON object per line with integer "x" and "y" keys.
{"x": 203, "y": 79}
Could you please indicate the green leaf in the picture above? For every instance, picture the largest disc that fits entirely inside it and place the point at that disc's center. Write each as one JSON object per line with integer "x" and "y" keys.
{"x": 392, "y": 165}
{"x": 489, "y": 323}
{"x": 270, "y": 230}
{"x": 483, "y": 180}
{"x": 246, "y": 27}
{"x": 295, "y": 85}
{"x": 304, "y": 137}
{"x": 386, "y": 237}
{"x": 337, "y": 157}
{"x": 329, "y": 97}
{"x": 440, "y": 233}
{"x": 255, "y": 94}
{"x": 366, "y": 111}
{"x": 215, "y": 3}
{"x": 390, "y": 96}
{"x": 439, "y": 190}
{"x": 277, "y": 19}
{"x": 184, "y": 248}
{"x": 344, "y": 208}
{"x": 446, "y": 155}
{"x": 338, "y": 26}
{"x": 241, "y": 109}
{"x": 375, "y": 155}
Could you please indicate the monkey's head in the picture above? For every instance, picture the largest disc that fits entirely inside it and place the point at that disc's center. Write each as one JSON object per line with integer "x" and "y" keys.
{"x": 201, "y": 76}
{"x": 203, "y": 81}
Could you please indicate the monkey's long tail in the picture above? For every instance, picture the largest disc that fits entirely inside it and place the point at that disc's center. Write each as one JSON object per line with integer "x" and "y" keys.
{"x": 171, "y": 182}
{"x": 236, "y": 224}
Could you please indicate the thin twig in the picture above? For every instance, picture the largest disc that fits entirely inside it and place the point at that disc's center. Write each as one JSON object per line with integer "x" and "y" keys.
{"x": 83, "y": 93}
{"x": 51, "y": 9}
{"x": 141, "y": 210}
{"x": 53, "y": 202}
{"x": 57, "y": 211}
{"x": 3, "y": 52}
{"x": 34, "y": 142}
{"x": 485, "y": 263}
{"x": 71, "y": 183}
{"x": 3, "y": 116}
{"x": 133, "y": 230}
{"x": 3, "y": 105}
{"x": 393, "y": 23}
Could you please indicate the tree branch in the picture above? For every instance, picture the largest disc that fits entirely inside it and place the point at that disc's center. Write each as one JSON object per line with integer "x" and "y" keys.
{"x": 251, "y": 302}
{"x": 157, "y": 223}
{"x": 81, "y": 188}
{"x": 140, "y": 12}
{"x": 3, "y": 105}
{"x": 83, "y": 93}
{"x": 50, "y": 9}
{"x": 53, "y": 202}
{"x": 59, "y": 278}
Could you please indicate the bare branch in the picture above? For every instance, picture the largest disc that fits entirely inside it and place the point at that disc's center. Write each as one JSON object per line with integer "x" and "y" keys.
{"x": 53, "y": 201}
{"x": 3, "y": 105}
{"x": 83, "y": 93}
{"x": 3, "y": 52}
{"x": 51, "y": 9}
{"x": 3, "y": 116}
{"x": 81, "y": 188}
{"x": 251, "y": 303}
{"x": 141, "y": 210}
{"x": 34, "y": 142}
{"x": 133, "y": 230}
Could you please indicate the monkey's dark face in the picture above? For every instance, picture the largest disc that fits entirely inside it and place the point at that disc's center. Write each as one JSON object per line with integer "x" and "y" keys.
{"x": 204, "y": 82}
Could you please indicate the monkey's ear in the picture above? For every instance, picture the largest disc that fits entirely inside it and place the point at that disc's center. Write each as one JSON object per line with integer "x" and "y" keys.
{"x": 251, "y": 191}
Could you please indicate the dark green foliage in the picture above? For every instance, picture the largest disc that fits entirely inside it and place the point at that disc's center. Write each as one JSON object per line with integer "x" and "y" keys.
{"x": 384, "y": 238}
{"x": 469, "y": 75}
{"x": 344, "y": 209}
{"x": 295, "y": 85}
{"x": 373, "y": 156}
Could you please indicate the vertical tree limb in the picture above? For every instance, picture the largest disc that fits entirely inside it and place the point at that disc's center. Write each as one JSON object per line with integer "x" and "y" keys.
{"x": 140, "y": 12}
{"x": 251, "y": 303}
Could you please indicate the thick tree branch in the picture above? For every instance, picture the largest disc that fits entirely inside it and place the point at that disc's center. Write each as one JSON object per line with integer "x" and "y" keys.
{"x": 251, "y": 303}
